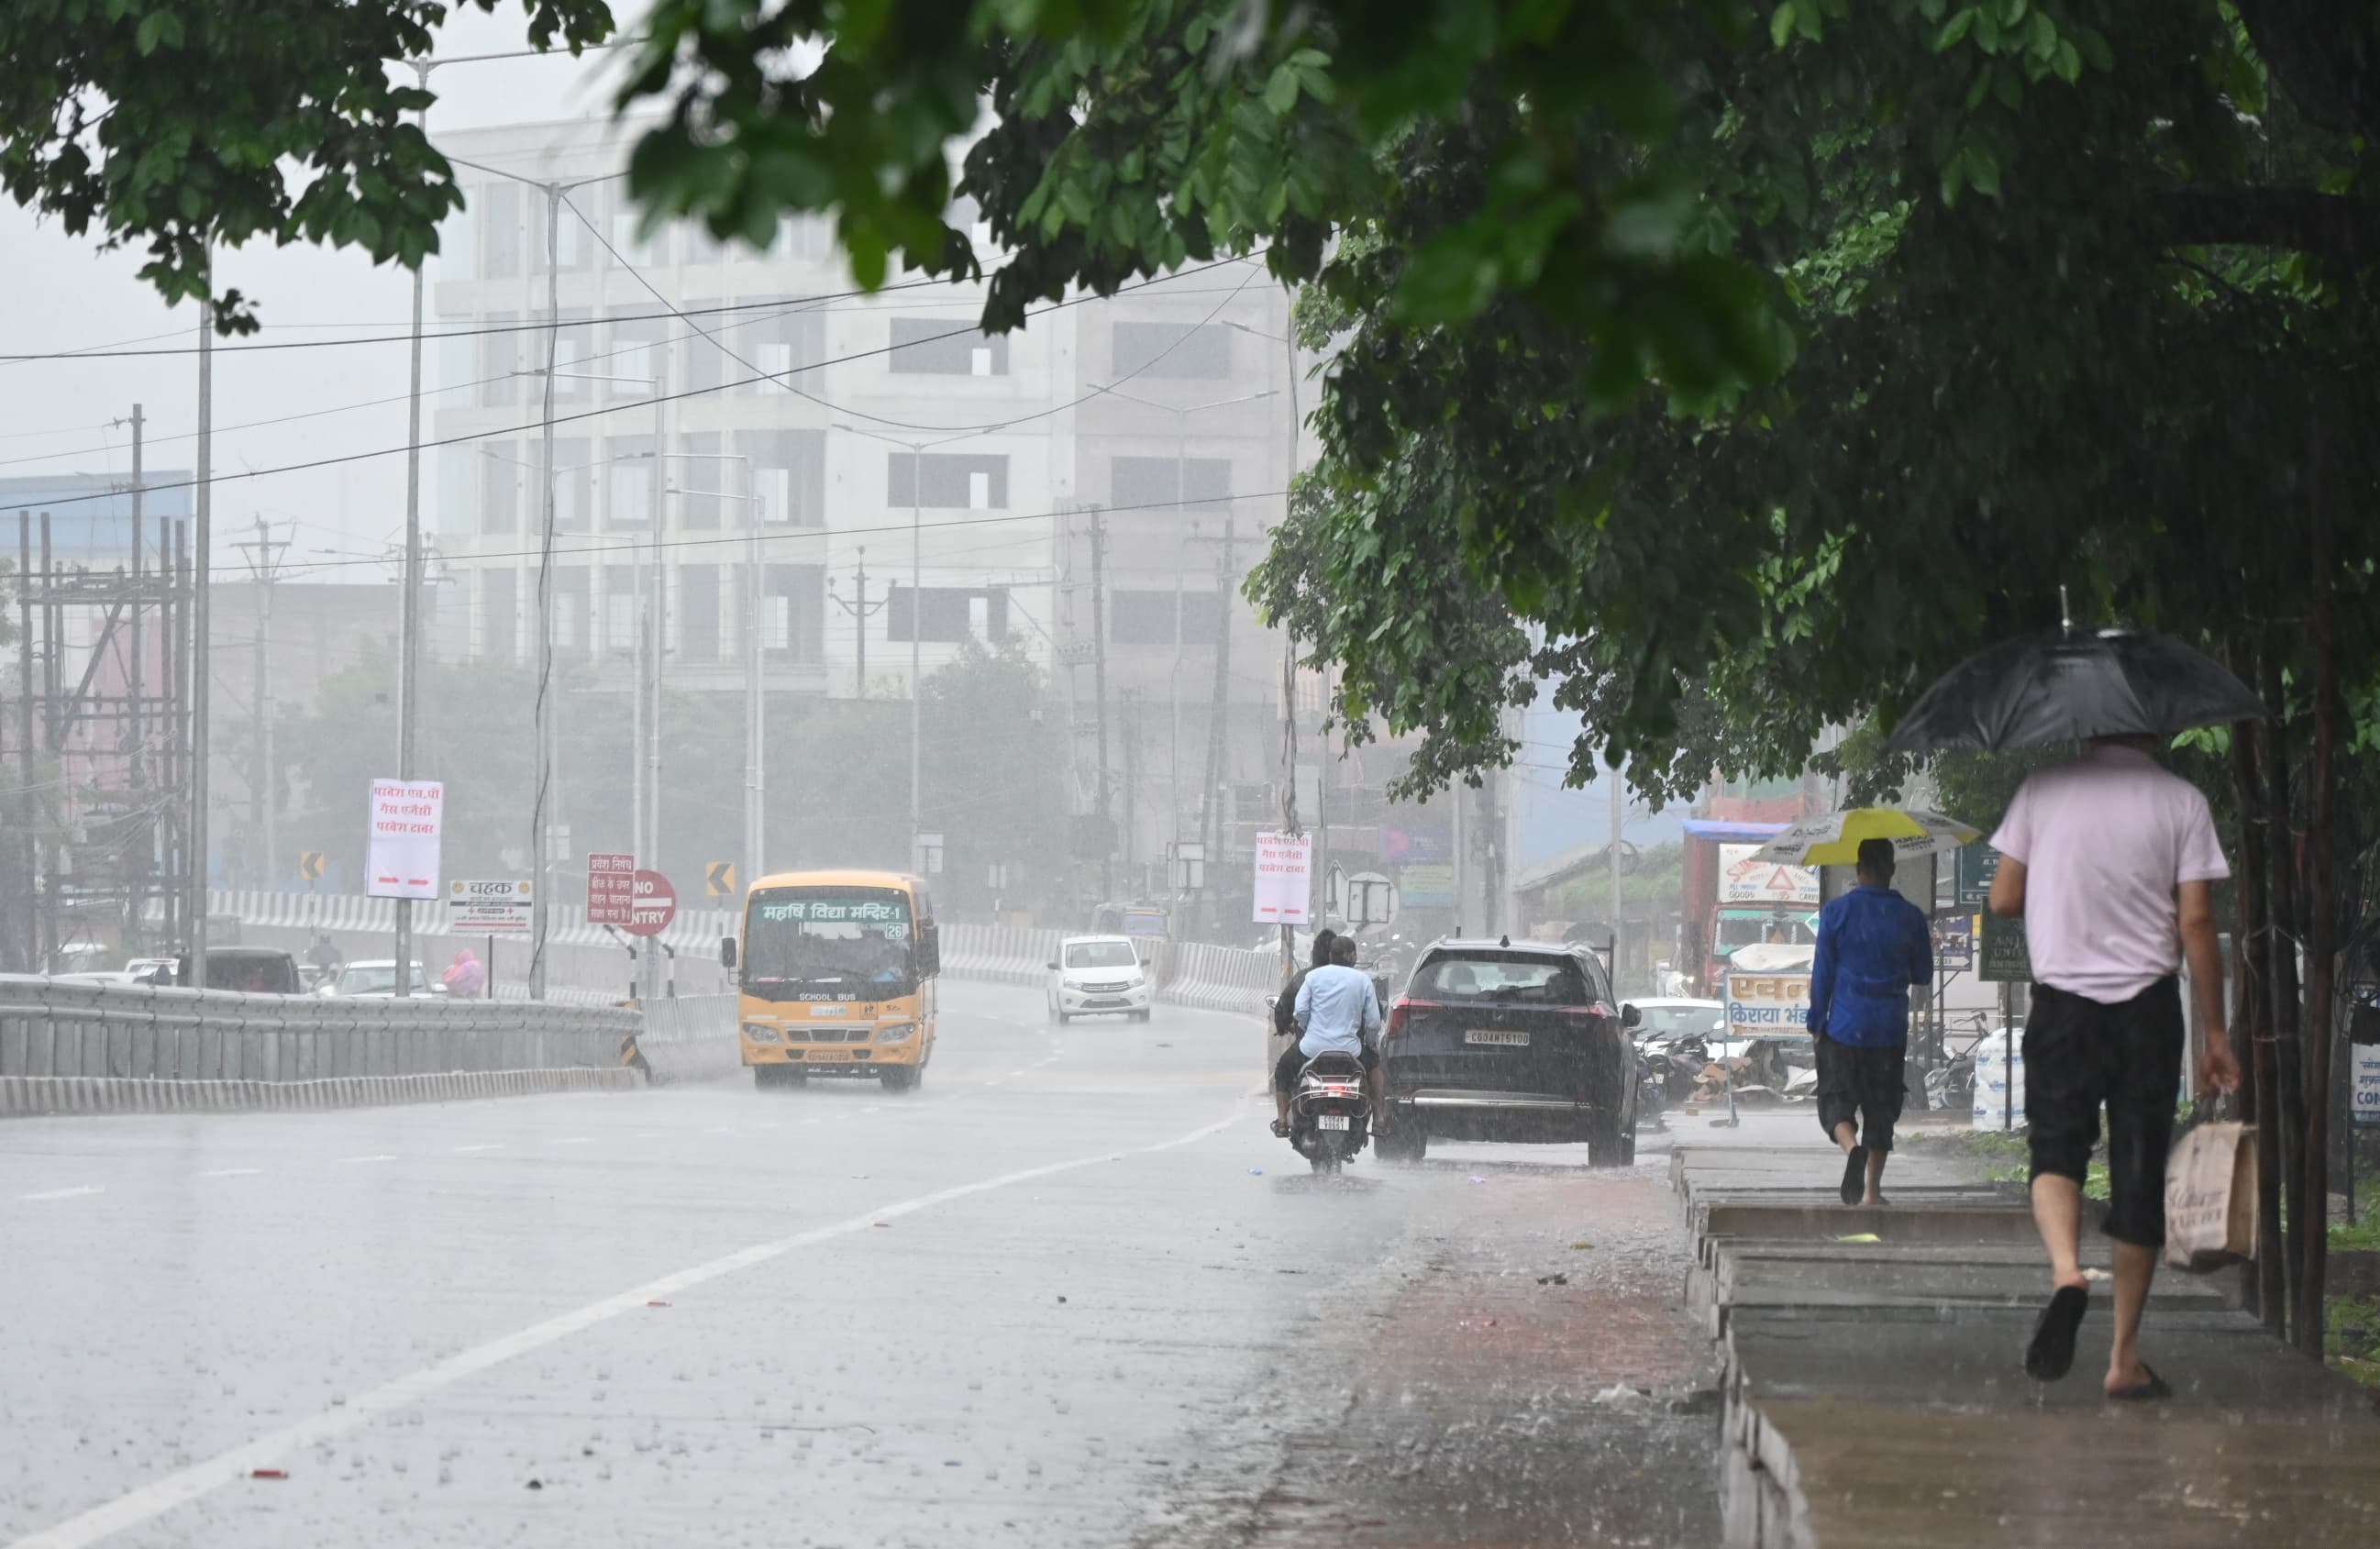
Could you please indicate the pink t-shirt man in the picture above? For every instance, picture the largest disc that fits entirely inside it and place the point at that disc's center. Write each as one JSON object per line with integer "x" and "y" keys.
{"x": 2105, "y": 842}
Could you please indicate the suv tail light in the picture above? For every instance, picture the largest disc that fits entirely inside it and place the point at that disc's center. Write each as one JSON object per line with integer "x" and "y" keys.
{"x": 1400, "y": 1013}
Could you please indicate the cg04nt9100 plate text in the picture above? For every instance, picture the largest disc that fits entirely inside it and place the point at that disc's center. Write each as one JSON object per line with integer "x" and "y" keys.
{"x": 1496, "y": 1036}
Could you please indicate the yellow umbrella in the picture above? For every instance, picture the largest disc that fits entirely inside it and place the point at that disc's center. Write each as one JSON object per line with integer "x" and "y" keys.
{"x": 1834, "y": 839}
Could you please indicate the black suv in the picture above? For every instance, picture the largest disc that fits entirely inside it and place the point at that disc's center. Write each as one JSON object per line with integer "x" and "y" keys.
{"x": 1510, "y": 1041}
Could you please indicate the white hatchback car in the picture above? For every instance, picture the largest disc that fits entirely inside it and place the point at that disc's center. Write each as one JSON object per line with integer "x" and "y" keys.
{"x": 1098, "y": 975}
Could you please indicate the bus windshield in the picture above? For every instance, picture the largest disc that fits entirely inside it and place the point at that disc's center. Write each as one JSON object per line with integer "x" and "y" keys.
{"x": 829, "y": 943}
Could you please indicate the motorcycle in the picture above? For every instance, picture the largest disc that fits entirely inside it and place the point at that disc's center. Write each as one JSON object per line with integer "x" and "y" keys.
{"x": 1329, "y": 1118}
{"x": 1951, "y": 1085}
{"x": 1673, "y": 1068}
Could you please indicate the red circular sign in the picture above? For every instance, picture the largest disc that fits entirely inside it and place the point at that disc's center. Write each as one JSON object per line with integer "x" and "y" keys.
{"x": 656, "y": 904}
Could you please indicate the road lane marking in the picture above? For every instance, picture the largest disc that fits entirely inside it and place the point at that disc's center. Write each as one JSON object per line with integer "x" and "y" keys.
{"x": 232, "y": 1172}
{"x": 66, "y": 1193}
{"x": 575, "y": 1140}
{"x": 154, "y": 1499}
{"x": 492, "y": 1146}
{"x": 379, "y": 1156}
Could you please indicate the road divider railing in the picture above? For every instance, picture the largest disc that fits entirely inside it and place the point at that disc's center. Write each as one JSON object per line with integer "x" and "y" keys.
{"x": 692, "y": 1038}
{"x": 73, "y": 1047}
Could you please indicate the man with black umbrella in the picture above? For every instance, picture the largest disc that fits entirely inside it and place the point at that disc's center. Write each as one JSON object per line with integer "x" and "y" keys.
{"x": 2110, "y": 860}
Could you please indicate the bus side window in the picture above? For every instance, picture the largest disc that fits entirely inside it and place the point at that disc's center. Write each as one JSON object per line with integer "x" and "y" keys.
{"x": 929, "y": 949}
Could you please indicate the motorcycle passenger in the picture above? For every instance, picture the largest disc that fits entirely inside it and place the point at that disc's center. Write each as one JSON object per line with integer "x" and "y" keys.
{"x": 1285, "y": 1010}
{"x": 1336, "y": 1012}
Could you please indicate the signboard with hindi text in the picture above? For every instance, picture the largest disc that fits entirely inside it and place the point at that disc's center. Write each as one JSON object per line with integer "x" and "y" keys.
{"x": 1768, "y": 991}
{"x": 489, "y": 908}
{"x": 1284, "y": 879}
{"x": 1743, "y": 880}
{"x": 611, "y": 889}
{"x": 407, "y": 816}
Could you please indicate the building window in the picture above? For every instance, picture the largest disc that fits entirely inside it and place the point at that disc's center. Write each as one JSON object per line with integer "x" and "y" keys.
{"x": 638, "y": 251}
{"x": 1147, "y": 483}
{"x": 788, "y": 475}
{"x": 620, "y": 610}
{"x": 628, "y": 481}
{"x": 573, "y": 360}
{"x": 1147, "y": 618}
{"x": 785, "y": 342}
{"x": 1173, "y": 349}
{"x": 798, "y": 237}
{"x": 570, "y": 611}
{"x": 946, "y": 347}
{"x": 950, "y": 614}
{"x": 459, "y": 491}
{"x": 639, "y": 356}
{"x": 574, "y": 485}
{"x": 793, "y": 612}
{"x": 500, "y": 481}
{"x": 499, "y": 359}
{"x": 499, "y": 615}
{"x": 948, "y": 482}
{"x": 704, "y": 475}
{"x": 500, "y": 230}
{"x": 697, "y": 612}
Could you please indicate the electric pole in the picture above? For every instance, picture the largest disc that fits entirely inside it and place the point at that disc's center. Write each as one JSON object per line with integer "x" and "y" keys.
{"x": 861, "y": 610}
{"x": 263, "y": 554}
{"x": 1099, "y": 689}
{"x": 1226, "y": 575}
{"x": 202, "y": 617}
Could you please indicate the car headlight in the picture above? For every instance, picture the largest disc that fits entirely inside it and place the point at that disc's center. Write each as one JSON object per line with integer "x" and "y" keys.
{"x": 760, "y": 1033}
{"x": 1135, "y": 982}
{"x": 898, "y": 1033}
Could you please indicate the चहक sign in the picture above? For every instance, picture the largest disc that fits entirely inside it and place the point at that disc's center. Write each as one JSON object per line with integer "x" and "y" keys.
{"x": 1284, "y": 879}
{"x": 408, "y": 817}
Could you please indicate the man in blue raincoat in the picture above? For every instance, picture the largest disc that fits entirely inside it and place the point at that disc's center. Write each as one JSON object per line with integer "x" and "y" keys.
{"x": 1873, "y": 944}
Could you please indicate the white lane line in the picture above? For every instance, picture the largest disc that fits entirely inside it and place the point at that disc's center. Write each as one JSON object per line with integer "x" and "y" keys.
{"x": 232, "y": 1172}
{"x": 154, "y": 1499}
{"x": 66, "y": 1193}
{"x": 381, "y": 1156}
{"x": 575, "y": 1140}
{"x": 492, "y": 1146}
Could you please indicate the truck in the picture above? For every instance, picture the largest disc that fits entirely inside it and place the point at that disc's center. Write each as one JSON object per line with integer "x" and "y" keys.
{"x": 1728, "y": 900}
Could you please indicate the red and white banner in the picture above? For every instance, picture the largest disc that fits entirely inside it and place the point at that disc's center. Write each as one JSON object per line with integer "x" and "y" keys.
{"x": 1285, "y": 890}
{"x": 401, "y": 855}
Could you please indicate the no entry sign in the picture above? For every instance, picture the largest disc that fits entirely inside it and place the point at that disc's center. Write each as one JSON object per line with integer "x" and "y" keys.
{"x": 655, "y": 907}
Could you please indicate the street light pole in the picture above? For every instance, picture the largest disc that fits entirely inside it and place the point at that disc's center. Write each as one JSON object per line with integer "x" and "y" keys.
{"x": 408, "y": 608}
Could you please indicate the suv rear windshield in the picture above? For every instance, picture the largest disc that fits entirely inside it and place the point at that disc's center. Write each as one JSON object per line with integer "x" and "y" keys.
{"x": 1524, "y": 981}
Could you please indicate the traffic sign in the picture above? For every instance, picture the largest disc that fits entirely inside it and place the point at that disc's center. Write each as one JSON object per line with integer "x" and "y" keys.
{"x": 719, "y": 879}
{"x": 1954, "y": 943}
{"x": 493, "y": 908}
{"x": 1978, "y": 863}
{"x": 611, "y": 890}
{"x": 1371, "y": 899}
{"x": 309, "y": 865}
{"x": 656, "y": 904}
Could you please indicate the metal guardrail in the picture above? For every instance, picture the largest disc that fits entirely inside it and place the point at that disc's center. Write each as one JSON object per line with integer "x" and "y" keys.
{"x": 54, "y": 1028}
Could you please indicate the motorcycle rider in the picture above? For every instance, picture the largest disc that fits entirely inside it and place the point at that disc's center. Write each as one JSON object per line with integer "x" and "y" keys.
{"x": 1336, "y": 1012}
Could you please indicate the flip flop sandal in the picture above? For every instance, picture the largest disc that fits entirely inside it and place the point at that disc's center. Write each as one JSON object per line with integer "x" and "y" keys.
{"x": 1855, "y": 1175}
{"x": 2155, "y": 1388}
{"x": 2051, "y": 1354}
{"x": 1281, "y": 1129}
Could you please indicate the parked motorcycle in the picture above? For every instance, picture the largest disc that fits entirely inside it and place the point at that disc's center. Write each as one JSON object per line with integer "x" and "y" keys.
{"x": 1951, "y": 1086}
{"x": 1329, "y": 1118}
{"x": 1673, "y": 1068}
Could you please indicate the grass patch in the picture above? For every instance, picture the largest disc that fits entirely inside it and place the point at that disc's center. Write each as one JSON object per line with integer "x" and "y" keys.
{"x": 2351, "y": 1338}
{"x": 2362, "y": 1238}
{"x": 2008, "y": 1158}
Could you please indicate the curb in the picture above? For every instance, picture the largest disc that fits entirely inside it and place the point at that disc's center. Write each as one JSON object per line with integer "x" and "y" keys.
{"x": 24, "y": 1096}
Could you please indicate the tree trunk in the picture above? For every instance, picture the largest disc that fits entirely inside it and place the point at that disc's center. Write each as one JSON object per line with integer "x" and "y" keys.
{"x": 2281, "y": 985}
{"x": 2321, "y": 913}
{"x": 2263, "y": 1291}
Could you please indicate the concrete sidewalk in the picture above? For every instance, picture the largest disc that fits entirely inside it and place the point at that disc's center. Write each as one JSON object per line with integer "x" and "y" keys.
{"x": 1875, "y": 1393}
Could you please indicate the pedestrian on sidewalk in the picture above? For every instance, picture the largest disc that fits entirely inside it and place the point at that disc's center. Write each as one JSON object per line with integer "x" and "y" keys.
{"x": 2110, "y": 861}
{"x": 1873, "y": 944}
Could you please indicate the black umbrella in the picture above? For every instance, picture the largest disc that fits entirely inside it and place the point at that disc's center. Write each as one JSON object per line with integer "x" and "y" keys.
{"x": 2069, "y": 685}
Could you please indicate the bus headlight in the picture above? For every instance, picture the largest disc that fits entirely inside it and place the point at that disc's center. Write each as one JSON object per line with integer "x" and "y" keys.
{"x": 760, "y": 1033}
{"x": 898, "y": 1033}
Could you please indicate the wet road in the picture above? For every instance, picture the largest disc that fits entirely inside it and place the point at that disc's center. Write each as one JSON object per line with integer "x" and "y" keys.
{"x": 1046, "y": 1300}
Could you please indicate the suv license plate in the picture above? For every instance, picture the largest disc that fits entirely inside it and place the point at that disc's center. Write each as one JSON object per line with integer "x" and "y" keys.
{"x": 1331, "y": 1121}
{"x": 1506, "y": 1036}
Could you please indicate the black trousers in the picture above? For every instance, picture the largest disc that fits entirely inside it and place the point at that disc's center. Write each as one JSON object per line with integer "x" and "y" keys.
{"x": 2080, "y": 1054}
{"x": 1861, "y": 1083}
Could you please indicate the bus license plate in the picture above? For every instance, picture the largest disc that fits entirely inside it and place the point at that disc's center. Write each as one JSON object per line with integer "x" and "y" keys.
{"x": 1508, "y": 1037}
{"x": 1331, "y": 1121}
{"x": 828, "y": 1057}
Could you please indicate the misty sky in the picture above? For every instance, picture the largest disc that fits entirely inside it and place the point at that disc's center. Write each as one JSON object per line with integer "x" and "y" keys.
{"x": 64, "y": 295}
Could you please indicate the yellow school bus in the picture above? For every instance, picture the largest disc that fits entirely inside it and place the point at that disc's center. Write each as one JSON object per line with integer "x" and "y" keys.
{"x": 836, "y": 977}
